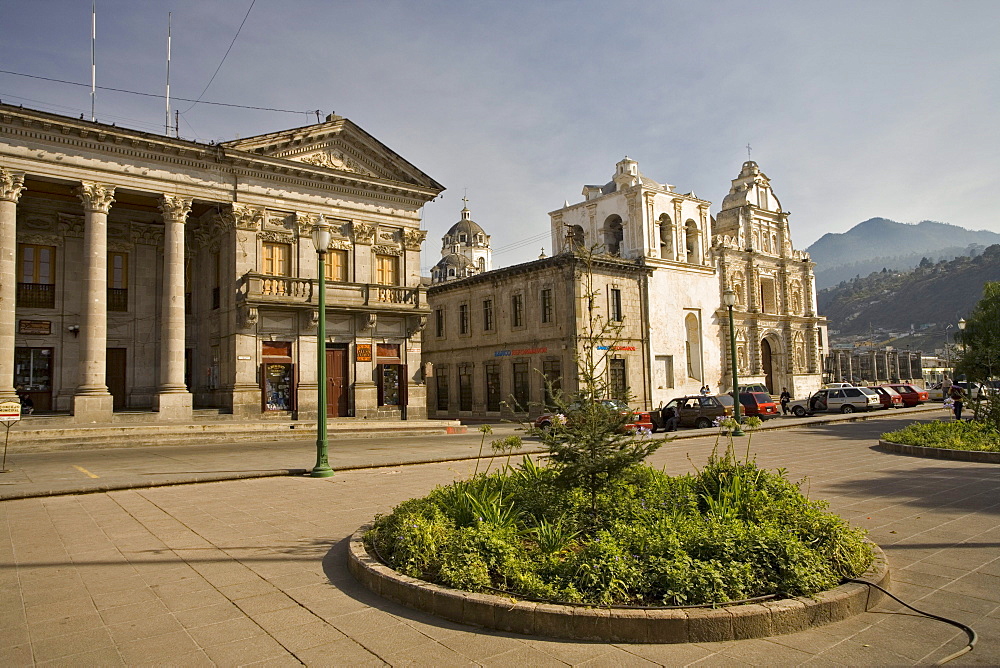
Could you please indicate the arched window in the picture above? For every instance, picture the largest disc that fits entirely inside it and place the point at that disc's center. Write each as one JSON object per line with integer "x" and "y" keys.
{"x": 613, "y": 235}
{"x": 576, "y": 237}
{"x": 692, "y": 242}
{"x": 451, "y": 272}
{"x": 692, "y": 346}
{"x": 799, "y": 348}
{"x": 482, "y": 264}
{"x": 795, "y": 298}
{"x": 739, "y": 287}
{"x": 666, "y": 237}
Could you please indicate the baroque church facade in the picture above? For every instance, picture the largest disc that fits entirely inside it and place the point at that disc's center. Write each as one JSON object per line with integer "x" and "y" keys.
{"x": 144, "y": 272}
{"x": 679, "y": 261}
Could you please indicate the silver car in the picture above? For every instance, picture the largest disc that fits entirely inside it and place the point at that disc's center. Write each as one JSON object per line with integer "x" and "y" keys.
{"x": 837, "y": 400}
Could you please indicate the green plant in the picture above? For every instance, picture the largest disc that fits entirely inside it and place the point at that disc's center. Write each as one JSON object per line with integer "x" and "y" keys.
{"x": 949, "y": 435}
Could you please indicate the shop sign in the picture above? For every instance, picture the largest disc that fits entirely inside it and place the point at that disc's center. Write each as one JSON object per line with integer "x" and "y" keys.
{"x": 625, "y": 348}
{"x": 519, "y": 352}
{"x": 34, "y": 326}
{"x": 363, "y": 352}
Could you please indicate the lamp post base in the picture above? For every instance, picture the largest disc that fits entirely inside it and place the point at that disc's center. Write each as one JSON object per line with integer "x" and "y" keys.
{"x": 322, "y": 472}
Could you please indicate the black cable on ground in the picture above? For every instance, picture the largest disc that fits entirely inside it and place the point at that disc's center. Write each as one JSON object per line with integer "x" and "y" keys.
{"x": 969, "y": 631}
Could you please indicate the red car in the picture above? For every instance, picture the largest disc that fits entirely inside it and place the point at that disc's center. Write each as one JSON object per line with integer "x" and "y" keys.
{"x": 759, "y": 404}
{"x": 911, "y": 395}
{"x": 889, "y": 397}
{"x": 638, "y": 419}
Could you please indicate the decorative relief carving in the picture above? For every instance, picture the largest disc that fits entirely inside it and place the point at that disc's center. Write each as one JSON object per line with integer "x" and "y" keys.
{"x": 368, "y": 321}
{"x": 96, "y": 197}
{"x": 148, "y": 235}
{"x": 175, "y": 208}
{"x": 37, "y": 223}
{"x": 363, "y": 233}
{"x": 241, "y": 217}
{"x": 11, "y": 185}
{"x": 412, "y": 239}
{"x": 417, "y": 325}
{"x": 275, "y": 236}
{"x": 248, "y": 316}
{"x": 387, "y": 250}
{"x": 305, "y": 222}
{"x": 335, "y": 159}
{"x": 40, "y": 239}
{"x": 313, "y": 319}
{"x": 119, "y": 246}
{"x": 340, "y": 244}
{"x": 70, "y": 226}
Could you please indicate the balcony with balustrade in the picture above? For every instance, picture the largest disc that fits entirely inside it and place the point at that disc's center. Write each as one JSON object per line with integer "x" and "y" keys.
{"x": 261, "y": 290}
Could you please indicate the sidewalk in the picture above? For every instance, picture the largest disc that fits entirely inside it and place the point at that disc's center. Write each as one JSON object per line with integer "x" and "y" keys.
{"x": 253, "y": 571}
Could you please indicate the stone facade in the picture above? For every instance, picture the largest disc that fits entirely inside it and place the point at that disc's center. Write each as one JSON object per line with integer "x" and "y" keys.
{"x": 686, "y": 260}
{"x": 146, "y": 272}
{"x": 495, "y": 338}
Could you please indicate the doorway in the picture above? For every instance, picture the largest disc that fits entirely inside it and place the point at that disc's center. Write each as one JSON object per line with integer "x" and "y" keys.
{"x": 115, "y": 376}
{"x": 336, "y": 380}
{"x": 766, "y": 365}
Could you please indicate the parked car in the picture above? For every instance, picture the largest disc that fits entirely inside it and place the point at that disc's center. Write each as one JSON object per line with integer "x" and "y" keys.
{"x": 911, "y": 394}
{"x": 836, "y": 400}
{"x": 696, "y": 411}
{"x": 889, "y": 397}
{"x": 637, "y": 420}
{"x": 759, "y": 404}
{"x": 755, "y": 387}
{"x": 836, "y": 385}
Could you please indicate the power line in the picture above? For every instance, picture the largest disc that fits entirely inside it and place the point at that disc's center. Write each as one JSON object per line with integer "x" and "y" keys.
{"x": 223, "y": 58}
{"x": 157, "y": 95}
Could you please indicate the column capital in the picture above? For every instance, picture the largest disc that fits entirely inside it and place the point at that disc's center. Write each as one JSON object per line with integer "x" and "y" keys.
{"x": 96, "y": 197}
{"x": 11, "y": 185}
{"x": 175, "y": 208}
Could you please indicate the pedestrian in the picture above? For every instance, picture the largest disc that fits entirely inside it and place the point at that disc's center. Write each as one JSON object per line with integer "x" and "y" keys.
{"x": 784, "y": 399}
{"x": 957, "y": 395}
{"x": 670, "y": 417}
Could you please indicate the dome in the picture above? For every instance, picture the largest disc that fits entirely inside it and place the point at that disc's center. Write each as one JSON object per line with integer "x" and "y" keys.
{"x": 465, "y": 226}
{"x": 455, "y": 260}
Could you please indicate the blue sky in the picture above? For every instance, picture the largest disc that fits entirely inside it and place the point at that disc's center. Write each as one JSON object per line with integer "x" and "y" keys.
{"x": 854, "y": 110}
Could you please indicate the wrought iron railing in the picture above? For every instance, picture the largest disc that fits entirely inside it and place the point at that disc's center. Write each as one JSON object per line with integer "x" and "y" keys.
{"x": 36, "y": 295}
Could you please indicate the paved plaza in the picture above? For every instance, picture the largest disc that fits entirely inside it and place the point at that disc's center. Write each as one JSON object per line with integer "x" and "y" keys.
{"x": 252, "y": 570}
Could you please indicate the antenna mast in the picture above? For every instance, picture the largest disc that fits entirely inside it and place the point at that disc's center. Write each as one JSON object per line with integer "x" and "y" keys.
{"x": 93, "y": 59}
{"x": 166, "y": 125}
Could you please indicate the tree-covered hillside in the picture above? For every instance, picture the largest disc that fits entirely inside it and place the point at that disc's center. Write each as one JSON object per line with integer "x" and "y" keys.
{"x": 918, "y": 304}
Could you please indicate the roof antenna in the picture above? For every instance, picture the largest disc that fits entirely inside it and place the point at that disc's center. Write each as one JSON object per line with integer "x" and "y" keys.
{"x": 93, "y": 59}
{"x": 166, "y": 126}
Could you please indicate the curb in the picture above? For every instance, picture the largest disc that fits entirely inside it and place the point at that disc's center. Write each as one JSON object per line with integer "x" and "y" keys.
{"x": 666, "y": 625}
{"x": 978, "y": 456}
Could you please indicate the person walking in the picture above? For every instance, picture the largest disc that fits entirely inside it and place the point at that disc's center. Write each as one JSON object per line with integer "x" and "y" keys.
{"x": 784, "y": 399}
{"x": 957, "y": 397}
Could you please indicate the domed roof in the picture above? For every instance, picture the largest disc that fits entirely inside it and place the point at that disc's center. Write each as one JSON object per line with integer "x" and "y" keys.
{"x": 455, "y": 260}
{"x": 466, "y": 225}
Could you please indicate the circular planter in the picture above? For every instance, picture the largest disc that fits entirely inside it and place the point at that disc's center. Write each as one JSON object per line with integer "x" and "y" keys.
{"x": 979, "y": 456}
{"x": 660, "y": 625}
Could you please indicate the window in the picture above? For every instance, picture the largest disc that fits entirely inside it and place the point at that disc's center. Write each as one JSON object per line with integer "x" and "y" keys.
{"x": 465, "y": 388}
{"x": 552, "y": 380}
{"x": 521, "y": 386}
{"x": 517, "y": 310}
{"x": 217, "y": 280}
{"x": 387, "y": 270}
{"x": 692, "y": 346}
{"x": 666, "y": 236}
{"x": 441, "y": 381}
{"x": 277, "y": 259}
{"x": 768, "y": 300}
{"x": 117, "y": 281}
{"x": 488, "y": 315}
{"x": 547, "y": 305}
{"x": 492, "y": 387}
{"x": 615, "y": 305}
{"x": 617, "y": 382}
{"x": 336, "y": 265}
{"x": 36, "y": 276}
{"x": 463, "y": 320}
{"x": 439, "y": 322}
{"x": 613, "y": 235}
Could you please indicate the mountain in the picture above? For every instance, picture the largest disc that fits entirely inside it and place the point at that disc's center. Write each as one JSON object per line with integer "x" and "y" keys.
{"x": 863, "y": 249}
{"x": 911, "y": 308}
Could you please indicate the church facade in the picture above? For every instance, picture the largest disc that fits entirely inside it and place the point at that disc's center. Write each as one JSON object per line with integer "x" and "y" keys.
{"x": 148, "y": 273}
{"x": 686, "y": 259}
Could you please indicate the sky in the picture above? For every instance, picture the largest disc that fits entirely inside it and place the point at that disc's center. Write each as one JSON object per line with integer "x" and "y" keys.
{"x": 852, "y": 109}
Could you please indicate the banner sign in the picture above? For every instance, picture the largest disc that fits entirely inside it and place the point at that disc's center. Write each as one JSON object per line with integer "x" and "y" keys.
{"x": 34, "y": 326}
{"x": 363, "y": 352}
{"x": 522, "y": 351}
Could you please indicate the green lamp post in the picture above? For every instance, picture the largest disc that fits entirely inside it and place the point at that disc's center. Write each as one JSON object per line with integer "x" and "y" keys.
{"x": 729, "y": 299}
{"x": 321, "y": 240}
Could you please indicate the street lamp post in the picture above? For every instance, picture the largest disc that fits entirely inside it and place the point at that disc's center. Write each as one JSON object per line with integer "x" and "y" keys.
{"x": 321, "y": 241}
{"x": 729, "y": 298}
{"x": 961, "y": 331}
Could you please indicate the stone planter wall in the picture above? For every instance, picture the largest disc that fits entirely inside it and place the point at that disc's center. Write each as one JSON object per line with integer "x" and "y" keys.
{"x": 979, "y": 456}
{"x": 757, "y": 620}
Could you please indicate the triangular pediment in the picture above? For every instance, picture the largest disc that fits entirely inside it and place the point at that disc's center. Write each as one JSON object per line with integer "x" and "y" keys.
{"x": 340, "y": 145}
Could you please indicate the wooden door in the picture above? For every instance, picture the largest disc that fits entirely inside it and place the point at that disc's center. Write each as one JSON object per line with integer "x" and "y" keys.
{"x": 766, "y": 359}
{"x": 336, "y": 381}
{"x": 115, "y": 376}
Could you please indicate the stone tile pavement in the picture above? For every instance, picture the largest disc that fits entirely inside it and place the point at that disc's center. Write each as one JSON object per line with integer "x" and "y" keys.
{"x": 253, "y": 570}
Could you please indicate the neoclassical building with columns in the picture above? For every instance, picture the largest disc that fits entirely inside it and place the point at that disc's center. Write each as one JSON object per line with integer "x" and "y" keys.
{"x": 146, "y": 273}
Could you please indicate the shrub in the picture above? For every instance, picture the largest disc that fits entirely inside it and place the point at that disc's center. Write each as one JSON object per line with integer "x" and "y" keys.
{"x": 951, "y": 435}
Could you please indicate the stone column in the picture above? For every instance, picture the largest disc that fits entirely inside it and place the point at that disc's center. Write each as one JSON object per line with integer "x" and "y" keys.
{"x": 173, "y": 401}
{"x": 11, "y": 185}
{"x": 92, "y": 402}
